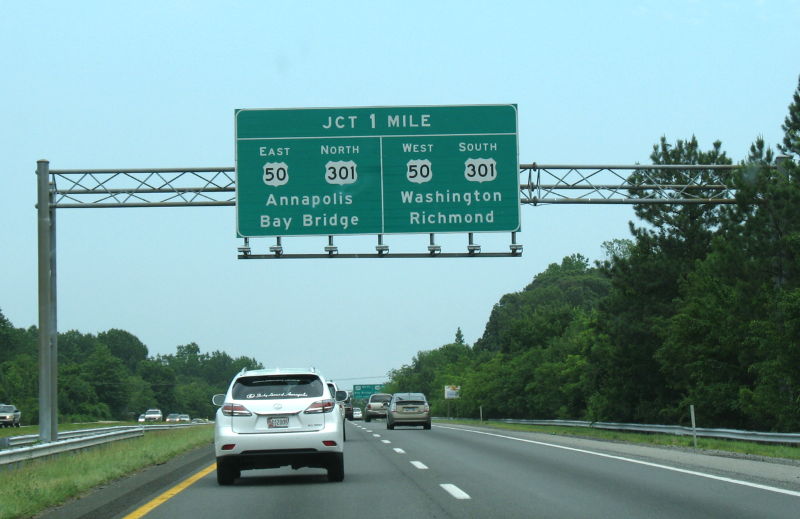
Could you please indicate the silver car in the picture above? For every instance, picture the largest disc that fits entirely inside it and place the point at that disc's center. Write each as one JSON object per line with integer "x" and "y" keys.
{"x": 408, "y": 409}
{"x": 153, "y": 415}
{"x": 376, "y": 406}
{"x": 277, "y": 417}
{"x": 9, "y": 415}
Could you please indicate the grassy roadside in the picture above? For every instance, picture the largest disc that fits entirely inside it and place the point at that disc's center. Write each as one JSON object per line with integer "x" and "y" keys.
{"x": 41, "y": 484}
{"x": 703, "y": 444}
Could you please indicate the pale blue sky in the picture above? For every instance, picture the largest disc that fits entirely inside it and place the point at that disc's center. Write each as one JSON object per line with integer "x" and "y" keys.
{"x": 155, "y": 84}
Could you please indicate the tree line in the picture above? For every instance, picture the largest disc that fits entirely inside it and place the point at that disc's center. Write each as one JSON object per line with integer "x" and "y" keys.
{"x": 700, "y": 306}
{"x": 110, "y": 376}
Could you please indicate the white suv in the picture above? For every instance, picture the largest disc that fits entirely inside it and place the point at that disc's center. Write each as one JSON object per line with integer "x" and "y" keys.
{"x": 276, "y": 417}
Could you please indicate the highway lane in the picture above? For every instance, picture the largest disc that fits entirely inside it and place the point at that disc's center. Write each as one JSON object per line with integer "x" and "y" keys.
{"x": 379, "y": 483}
{"x": 544, "y": 479}
{"x": 456, "y": 471}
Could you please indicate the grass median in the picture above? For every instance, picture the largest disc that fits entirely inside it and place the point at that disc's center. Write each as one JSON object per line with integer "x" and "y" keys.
{"x": 713, "y": 445}
{"x": 40, "y": 484}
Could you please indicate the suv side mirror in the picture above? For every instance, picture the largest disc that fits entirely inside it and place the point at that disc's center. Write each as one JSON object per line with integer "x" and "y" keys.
{"x": 341, "y": 396}
{"x": 218, "y": 400}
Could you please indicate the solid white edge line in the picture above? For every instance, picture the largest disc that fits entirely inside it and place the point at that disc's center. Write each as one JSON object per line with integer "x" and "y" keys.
{"x": 419, "y": 465}
{"x": 639, "y": 462}
{"x": 454, "y": 491}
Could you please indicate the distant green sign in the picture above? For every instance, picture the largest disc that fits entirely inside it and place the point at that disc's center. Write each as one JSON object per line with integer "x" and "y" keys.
{"x": 363, "y": 391}
{"x": 417, "y": 169}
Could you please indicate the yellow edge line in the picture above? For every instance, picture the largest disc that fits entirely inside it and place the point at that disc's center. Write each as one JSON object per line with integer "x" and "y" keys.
{"x": 169, "y": 494}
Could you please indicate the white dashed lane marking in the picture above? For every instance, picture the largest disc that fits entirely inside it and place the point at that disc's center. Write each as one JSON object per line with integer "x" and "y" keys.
{"x": 419, "y": 465}
{"x": 399, "y": 450}
{"x": 454, "y": 491}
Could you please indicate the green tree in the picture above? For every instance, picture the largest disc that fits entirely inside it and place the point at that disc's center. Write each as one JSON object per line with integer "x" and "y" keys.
{"x": 162, "y": 381}
{"x": 791, "y": 126}
{"x": 109, "y": 379}
{"x": 125, "y": 346}
{"x": 544, "y": 309}
{"x": 645, "y": 281}
{"x": 19, "y": 385}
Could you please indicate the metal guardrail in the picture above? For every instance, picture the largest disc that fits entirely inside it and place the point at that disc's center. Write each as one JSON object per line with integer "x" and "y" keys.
{"x": 17, "y": 455}
{"x": 729, "y": 434}
{"x": 24, "y": 448}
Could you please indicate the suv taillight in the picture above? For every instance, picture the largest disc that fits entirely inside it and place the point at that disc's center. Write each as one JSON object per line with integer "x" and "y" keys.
{"x": 321, "y": 406}
{"x": 235, "y": 410}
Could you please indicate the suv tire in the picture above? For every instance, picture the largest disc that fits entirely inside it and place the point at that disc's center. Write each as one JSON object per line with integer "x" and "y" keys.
{"x": 366, "y": 418}
{"x": 226, "y": 473}
{"x": 426, "y": 425}
{"x": 336, "y": 468}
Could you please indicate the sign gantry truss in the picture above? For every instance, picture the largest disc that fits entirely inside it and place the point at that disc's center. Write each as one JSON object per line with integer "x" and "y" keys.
{"x": 637, "y": 184}
{"x": 143, "y": 187}
{"x": 539, "y": 185}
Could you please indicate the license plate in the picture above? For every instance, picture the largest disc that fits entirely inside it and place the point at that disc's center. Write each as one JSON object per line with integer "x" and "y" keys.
{"x": 278, "y": 421}
{"x": 410, "y": 409}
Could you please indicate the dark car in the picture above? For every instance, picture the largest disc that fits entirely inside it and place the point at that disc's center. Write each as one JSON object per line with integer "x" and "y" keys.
{"x": 9, "y": 415}
{"x": 376, "y": 406}
{"x": 408, "y": 409}
{"x": 348, "y": 406}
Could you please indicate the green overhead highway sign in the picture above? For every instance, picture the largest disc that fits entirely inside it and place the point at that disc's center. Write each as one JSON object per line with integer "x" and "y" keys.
{"x": 363, "y": 391}
{"x": 381, "y": 170}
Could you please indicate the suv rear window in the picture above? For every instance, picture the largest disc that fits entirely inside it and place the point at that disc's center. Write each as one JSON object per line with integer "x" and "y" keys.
{"x": 380, "y": 398}
{"x": 277, "y": 387}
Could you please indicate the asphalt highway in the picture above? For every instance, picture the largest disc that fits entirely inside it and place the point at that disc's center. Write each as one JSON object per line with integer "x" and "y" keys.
{"x": 455, "y": 471}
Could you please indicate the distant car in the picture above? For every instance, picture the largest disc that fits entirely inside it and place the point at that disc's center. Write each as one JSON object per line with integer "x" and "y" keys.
{"x": 9, "y": 415}
{"x": 348, "y": 407}
{"x": 153, "y": 415}
{"x": 141, "y": 418}
{"x": 357, "y": 413}
{"x": 272, "y": 418}
{"x": 184, "y": 418}
{"x": 173, "y": 418}
{"x": 376, "y": 406}
{"x": 408, "y": 409}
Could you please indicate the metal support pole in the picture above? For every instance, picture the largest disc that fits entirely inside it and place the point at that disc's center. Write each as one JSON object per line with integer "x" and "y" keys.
{"x": 331, "y": 249}
{"x": 515, "y": 247}
{"x": 694, "y": 428}
{"x": 48, "y": 367}
{"x": 433, "y": 249}
{"x": 472, "y": 248}
{"x": 53, "y": 323}
{"x": 277, "y": 249}
{"x": 380, "y": 247}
